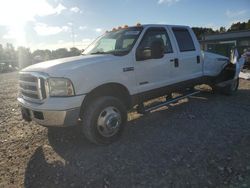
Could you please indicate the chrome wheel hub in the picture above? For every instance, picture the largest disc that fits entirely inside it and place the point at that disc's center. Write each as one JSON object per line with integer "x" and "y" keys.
{"x": 109, "y": 121}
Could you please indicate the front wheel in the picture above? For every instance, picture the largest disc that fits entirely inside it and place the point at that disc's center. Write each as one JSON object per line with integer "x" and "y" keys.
{"x": 229, "y": 89}
{"x": 104, "y": 119}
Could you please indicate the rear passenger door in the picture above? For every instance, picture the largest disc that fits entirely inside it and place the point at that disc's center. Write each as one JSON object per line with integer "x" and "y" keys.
{"x": 188, "y": 63}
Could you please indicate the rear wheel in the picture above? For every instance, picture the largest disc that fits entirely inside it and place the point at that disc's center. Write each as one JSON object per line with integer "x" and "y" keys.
{"x": 104, "y": 119}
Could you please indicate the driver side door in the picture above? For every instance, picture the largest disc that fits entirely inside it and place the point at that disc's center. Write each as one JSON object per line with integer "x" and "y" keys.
{"x": 153, "y": 73}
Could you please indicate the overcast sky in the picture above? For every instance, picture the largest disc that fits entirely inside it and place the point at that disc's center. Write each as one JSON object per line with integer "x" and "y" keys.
{"x": 57, "y": 23}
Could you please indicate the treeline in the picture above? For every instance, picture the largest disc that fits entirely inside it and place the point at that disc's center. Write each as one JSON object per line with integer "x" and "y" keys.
{"x": 200, "y": 31}
{"x": 11, "y": 58}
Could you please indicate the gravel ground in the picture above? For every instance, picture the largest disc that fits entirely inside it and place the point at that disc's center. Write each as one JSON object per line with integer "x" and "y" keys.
{"x": 199, "y": 142}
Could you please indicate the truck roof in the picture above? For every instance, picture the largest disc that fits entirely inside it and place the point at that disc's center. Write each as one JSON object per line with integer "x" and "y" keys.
{"x": 162, "y": 25}
{"x": 149, "y": 25}
{"x": 158, "y": 25}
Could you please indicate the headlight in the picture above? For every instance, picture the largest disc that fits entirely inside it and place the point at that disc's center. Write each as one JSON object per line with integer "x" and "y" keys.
{"x": 60, "y": 87}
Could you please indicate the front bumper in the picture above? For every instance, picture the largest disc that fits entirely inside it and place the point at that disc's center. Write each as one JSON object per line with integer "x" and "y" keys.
{"x": 51, "y": 116}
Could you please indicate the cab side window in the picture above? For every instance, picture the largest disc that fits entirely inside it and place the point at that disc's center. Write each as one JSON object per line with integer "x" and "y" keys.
{"x": 152, "y": 37}
{"x": 184, "y": 39}
{"x": 156, "y": 34}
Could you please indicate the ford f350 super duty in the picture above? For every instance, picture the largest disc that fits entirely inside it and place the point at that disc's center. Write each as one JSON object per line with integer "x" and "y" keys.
{"x": 121, "y": 69}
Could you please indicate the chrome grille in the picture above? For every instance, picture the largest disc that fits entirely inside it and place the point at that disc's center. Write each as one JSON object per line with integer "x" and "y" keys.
{"x": 32, "y": 86}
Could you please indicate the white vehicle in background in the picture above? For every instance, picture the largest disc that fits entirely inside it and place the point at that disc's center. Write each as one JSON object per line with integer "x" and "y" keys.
{"x": 120, "y": 70}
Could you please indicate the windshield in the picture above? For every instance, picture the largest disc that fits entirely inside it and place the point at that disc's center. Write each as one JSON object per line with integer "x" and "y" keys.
{"x": 118, "y": 42}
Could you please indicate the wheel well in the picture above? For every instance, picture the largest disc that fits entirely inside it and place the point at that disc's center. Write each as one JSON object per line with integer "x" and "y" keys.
{"x": 110, "y": 89}
{"x": 227, "y": 73}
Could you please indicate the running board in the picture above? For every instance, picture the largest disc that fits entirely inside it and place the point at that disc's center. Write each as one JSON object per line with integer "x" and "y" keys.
{"x": 142, "y": 110}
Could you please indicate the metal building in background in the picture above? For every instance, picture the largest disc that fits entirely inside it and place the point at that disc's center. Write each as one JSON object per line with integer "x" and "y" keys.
{"x": 222, "y": 43}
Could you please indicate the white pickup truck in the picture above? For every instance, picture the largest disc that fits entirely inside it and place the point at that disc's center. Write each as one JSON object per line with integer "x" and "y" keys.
{"x": 121, "y": 69}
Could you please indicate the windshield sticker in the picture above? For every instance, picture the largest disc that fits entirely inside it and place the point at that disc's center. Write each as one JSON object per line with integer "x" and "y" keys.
{"x": 132, "y": 32}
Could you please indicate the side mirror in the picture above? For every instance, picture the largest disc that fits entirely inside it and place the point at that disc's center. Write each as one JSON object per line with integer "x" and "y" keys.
{"x": 143, "y": 54}
{"x": 155, "y": 51}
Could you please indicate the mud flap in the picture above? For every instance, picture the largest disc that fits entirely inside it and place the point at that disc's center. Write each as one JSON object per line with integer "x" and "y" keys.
{"x": 26, "y": 114}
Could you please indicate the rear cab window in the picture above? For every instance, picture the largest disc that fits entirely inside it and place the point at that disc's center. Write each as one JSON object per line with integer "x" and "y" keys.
{"x": 184, "y": 39}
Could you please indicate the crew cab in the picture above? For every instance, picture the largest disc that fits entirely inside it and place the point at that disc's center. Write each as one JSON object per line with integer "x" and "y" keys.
{"x": 120, "y": 70}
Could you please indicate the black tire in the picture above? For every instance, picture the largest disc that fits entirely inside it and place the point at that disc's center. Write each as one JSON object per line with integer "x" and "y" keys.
{"x": 229, "y": 89}
{"x": 91, "y": 116}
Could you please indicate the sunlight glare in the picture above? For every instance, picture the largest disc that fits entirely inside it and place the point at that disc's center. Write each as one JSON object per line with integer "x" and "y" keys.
{"x": 14, "y": 14}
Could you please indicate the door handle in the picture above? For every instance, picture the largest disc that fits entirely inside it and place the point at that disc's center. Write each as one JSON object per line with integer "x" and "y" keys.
{"x": 198, "y": 59}
{"x": 176, "y": 62}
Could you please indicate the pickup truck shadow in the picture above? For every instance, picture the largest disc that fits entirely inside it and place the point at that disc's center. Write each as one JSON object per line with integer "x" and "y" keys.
{"x": 178, "y": 147}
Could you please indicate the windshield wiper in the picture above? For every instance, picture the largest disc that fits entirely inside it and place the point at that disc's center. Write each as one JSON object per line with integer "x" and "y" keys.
{"x": 114, "y": 52}
{"x": 98, "y": 53}
{"x": 119, "y": 52}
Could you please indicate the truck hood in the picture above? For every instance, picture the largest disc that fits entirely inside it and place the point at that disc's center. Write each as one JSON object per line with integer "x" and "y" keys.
{"x": 65, "y": 65}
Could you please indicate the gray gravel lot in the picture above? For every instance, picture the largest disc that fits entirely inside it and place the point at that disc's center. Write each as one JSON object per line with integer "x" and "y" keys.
{"x": 199, "y": 142}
